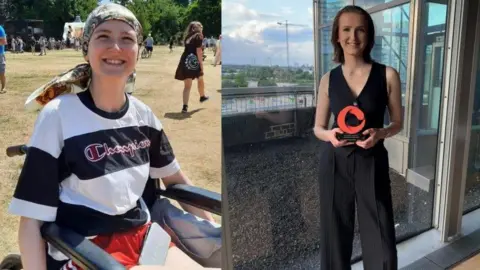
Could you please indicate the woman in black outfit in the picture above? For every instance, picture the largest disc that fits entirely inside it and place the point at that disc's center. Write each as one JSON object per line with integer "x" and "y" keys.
{"x": 357, "y": 171}
{"x": 190, "y": 66}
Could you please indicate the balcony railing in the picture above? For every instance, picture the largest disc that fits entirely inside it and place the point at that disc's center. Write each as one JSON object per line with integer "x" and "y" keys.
{"x": 252, "y": 115}
{"x": 245, "y": 100}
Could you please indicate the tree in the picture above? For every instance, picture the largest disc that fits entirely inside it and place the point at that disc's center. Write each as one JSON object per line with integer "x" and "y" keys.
{"x": 84, "y": 7}
{"x": 54, "y": 13}
{"x": 208, "y": 12}
{"x": 266, "y": 82}
{"x": 164, "y": 19}
{"x": 6, "y": 7}
{"x": 228, "y": 84}
{"x": 121, "y": 2}
{"x": 183, "y": 3}
{"x": 161, "y": 18}
{"x": 241, "y": 80}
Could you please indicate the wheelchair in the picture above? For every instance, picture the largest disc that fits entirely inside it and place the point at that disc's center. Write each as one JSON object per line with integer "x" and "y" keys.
{"x": 145, "y": 53}
{"x": 89, "y": 256}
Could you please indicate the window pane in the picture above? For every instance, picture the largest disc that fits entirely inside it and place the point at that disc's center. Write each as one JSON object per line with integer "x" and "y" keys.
{"x": 370, "y": 3}
{"x": 391, "y": 43}
{"x": 326, "y": 50}
{"x": 329, "y": 8}
{"x": 427, "y": 91}
{"x": 472, "y": 188}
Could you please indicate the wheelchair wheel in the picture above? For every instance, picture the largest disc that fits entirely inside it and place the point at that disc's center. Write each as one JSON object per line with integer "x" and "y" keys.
{"x": 144, "y": 53}
{"x": 11, "y": 262}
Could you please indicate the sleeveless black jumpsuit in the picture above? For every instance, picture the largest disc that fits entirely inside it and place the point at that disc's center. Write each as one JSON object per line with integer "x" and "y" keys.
{"x": 349, "y": 174}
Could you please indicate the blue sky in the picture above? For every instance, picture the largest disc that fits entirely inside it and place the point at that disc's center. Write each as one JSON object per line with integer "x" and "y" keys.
{"x": 251, "y": 34}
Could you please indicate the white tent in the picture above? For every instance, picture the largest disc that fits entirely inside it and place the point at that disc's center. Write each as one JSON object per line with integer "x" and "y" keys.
{"x": 77, "y": 27}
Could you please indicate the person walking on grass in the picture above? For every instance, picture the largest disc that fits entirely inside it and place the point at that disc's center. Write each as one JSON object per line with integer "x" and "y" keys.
{"x": 218, "y": 52}
{"x": 190, "y": 66}
{"x": 33, "y": 42}
{"x": 170, "y": 46}
{"x": 3, "y": 42}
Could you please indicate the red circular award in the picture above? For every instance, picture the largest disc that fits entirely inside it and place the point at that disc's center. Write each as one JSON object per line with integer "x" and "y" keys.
{"x": 351, "y": 133}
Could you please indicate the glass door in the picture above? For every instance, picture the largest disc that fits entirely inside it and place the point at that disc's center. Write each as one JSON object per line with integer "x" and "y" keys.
{"x": 426, "y": 106}
{"x": 472, "y": 186}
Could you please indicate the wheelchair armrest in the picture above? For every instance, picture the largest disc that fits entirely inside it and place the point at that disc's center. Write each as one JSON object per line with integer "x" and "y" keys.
{"x": 83, "y": 252}
{"x": 194, "y": 196}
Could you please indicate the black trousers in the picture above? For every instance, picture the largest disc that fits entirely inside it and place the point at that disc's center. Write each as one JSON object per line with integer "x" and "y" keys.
{"x": 361, "y": 176}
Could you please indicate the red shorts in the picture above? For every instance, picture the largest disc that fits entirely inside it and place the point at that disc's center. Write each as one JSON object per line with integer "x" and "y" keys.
{"x": 124, "y": 247}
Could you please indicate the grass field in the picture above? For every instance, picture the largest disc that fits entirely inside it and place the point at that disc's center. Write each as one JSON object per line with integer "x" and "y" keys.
{"x": 195, "y": 137}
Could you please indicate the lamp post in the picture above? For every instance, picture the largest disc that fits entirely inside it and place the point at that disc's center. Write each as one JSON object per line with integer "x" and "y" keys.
{"x": 286, "y": 40}
{"x": 286, "y": 23}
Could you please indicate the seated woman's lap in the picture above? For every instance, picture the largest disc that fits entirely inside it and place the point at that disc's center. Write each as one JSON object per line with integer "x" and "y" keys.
{"x": 176, "y": 260}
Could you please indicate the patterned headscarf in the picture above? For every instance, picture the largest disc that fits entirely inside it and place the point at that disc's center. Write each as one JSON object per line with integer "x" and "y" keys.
{"x": 78, "y": 79}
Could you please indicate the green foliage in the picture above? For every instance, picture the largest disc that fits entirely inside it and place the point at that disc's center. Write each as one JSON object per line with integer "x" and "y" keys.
{"x": 266, "y": 82}
{"x": 54, "y": 13}
{"x": 164, "y": 19}
{"x": 241, "y": 80}
{"x": 228, "y": 83}
{"x": 265, "y": 76}
{"x": 208, "y": 12}
{"x": 183, "y": 3}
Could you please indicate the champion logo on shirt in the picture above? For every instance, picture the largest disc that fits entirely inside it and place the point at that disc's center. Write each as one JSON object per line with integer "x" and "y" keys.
{"x": 97, "y": 151}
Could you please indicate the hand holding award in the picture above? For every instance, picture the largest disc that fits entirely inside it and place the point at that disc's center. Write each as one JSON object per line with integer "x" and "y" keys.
{"x": 349, "y": 133}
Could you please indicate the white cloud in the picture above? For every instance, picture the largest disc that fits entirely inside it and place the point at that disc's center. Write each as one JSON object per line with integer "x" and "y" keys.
{"x": 249, "y": 34}
{"x": 239, "y": 13}
{"x": 286, "y": 10}
{"x": 242, "y": 51}
{"x": 251, "y": 30}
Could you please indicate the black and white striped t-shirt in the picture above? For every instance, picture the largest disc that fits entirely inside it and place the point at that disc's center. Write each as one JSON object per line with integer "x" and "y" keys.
{"x": 86, "y": 169}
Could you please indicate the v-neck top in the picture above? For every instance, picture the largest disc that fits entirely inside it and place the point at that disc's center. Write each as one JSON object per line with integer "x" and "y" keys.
{"x": 372, "y": 100}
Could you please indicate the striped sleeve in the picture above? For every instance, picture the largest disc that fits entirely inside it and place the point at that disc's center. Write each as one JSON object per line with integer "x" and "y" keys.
{"x": 162, "y": 159}
{"x": 37, "y": 192}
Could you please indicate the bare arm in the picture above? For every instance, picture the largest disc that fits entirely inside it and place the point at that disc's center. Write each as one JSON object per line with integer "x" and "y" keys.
{"x": 3, "y": 41}
{"x": 32, "y": 246}
{"x": 200, "y": 57}
{"x": 394, "y": 104}
{"x": 180, "y": 178}
{"x": 322, "y": 114}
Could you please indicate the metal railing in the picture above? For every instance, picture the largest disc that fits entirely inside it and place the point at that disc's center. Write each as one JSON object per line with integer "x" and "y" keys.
{"x": 246, "y": 100}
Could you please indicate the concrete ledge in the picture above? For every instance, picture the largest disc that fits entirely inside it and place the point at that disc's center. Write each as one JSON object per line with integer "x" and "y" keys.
{"x": 422, "y": 177}
{"x": 427, "y": 252}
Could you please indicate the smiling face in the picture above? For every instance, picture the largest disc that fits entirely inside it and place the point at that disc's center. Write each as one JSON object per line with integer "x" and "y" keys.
{"x": 352, "y": 33}
{"x": 113, "y": 49}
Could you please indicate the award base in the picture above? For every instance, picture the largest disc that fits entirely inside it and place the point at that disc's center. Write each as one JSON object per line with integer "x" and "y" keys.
{"x": 351, "y": 137}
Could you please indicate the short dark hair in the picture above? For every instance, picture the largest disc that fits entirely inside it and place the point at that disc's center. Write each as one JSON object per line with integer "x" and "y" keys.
{"x": 338, "y": 56}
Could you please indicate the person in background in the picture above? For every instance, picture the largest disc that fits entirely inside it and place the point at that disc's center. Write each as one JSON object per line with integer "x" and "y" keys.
{"x": 33, "y": 42}
{"x": 77, "y": 44}
{"x": 170, "y": 45}
{"x": 149, "y": 44}
{"x": 3, "y": 60}
{"x": 190, "y": 66}
{"x": 20, "y": 44}
{"x": 69, "y": 36}
{"x": 43, "y": 45}
{"x": 13, "y": 45}
{"x": 218, "y": 52}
